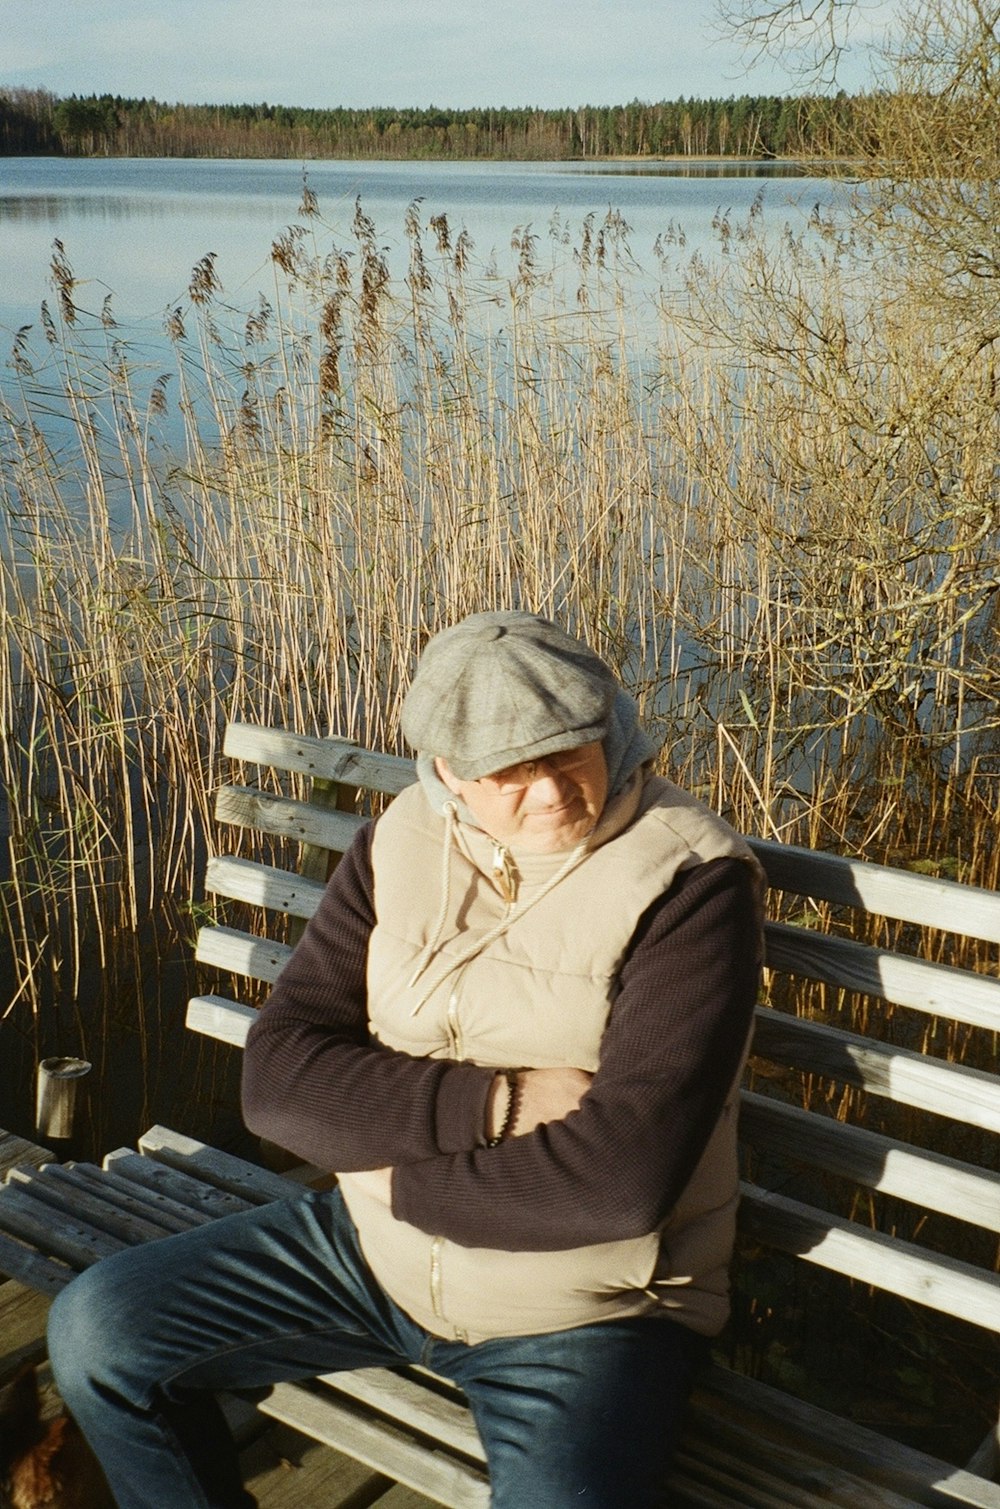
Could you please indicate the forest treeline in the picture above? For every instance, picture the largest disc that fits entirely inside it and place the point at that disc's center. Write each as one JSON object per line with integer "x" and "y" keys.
{"x": 34, "y": 121}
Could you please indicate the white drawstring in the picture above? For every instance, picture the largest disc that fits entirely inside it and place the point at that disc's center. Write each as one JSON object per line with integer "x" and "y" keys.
{"x": 497, "y": 931}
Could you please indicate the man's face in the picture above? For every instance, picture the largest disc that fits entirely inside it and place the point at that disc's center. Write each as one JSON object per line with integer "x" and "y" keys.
{"x": 539, "y": 806}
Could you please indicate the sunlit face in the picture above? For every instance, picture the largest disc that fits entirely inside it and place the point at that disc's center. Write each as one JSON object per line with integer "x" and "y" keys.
{"x": 539, "y": 806}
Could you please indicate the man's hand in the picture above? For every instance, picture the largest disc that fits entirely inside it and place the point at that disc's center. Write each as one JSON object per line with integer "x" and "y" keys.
{"x": 543, "y": 1095}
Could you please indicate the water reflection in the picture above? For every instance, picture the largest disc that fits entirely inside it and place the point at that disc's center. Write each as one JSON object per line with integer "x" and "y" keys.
{"x": 136, "y": 227}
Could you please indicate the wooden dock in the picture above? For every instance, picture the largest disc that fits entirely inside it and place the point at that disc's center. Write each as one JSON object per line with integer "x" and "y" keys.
{"x": 283, "y": 1469}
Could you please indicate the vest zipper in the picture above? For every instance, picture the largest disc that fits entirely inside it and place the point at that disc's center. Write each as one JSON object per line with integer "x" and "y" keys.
{"x": 502, "y": 873}
{"x": 455, "y": 1027}
{"x": 436, "y": 1305}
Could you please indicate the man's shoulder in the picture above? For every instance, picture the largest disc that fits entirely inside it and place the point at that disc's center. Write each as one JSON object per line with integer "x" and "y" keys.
{"x": 408, "y": 814}
{"x": 682, "y": 817}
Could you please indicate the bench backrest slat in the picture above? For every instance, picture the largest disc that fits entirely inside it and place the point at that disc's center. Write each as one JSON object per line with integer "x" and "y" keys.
{"x": 239, "y": 953}
{"x": 868, "y": 1158}
{"x": 897, "y": 1074}
{"x": 216, "y": 1016}
{"x": 283, "y": 817}
{"x": 940, "y": 990}
{"x": 969, "y": 910}
{"x": 898, "y": 1267}
{"x": 323, "y": 759}
{"x": 937, "y": 989}
{"x": 264, "y": 886}
{"x": 883, "y": 1069}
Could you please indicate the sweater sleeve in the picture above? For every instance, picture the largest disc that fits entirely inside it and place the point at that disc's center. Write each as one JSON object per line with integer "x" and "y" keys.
{"x": 317, "y": 1084}
{"x": 673, "y": 1045}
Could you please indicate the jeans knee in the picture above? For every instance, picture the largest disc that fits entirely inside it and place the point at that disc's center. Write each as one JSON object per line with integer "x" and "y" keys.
{"x": 84, "y": 1329}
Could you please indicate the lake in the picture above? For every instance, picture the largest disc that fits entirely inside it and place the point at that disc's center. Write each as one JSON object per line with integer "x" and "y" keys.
{"x": 135, "y": 227}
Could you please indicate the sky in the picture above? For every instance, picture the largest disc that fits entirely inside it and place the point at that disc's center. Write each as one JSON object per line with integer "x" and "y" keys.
{"x": 358, "y": 53}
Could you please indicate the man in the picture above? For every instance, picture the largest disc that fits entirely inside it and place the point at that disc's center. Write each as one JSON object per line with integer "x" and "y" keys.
{"x": 515, "y": 1028}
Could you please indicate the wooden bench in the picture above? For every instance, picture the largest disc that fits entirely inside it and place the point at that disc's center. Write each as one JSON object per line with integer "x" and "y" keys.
{"x": 841, "y": 1127}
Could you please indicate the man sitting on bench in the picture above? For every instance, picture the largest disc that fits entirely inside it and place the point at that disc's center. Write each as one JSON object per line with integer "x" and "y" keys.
{"x": 515, "y": 1028}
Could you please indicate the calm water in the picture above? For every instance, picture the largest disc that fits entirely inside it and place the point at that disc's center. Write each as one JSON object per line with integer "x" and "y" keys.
{"x": 135, "y": 227}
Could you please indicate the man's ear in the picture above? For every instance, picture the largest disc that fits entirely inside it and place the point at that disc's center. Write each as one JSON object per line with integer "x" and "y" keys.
{"x": 447, "y": 775}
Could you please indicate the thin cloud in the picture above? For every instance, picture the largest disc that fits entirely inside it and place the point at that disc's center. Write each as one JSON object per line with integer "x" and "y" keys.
{"x": 388, "y": 52}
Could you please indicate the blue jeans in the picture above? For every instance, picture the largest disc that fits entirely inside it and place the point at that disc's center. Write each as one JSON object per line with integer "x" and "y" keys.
{"x": 140, "y": 1342}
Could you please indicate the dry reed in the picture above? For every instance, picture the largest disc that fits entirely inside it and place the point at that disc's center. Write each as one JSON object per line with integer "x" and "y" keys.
{"x": 766, "y": 496}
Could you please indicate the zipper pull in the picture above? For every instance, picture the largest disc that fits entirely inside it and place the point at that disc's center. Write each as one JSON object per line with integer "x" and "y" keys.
{"x": 502, "y": 873}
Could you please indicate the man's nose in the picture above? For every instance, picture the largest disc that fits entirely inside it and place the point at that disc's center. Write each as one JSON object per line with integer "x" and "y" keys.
{"x": 549, "y": 786}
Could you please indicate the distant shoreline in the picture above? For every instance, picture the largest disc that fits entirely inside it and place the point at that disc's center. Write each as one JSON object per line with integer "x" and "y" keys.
{"x": 741, "y": 128}
{"x": 676, "y": 159}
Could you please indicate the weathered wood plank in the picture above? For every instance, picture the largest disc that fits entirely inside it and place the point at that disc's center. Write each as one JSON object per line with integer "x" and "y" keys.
{"x": 721, "y": 1393}
{"x": 21, "y": 1260}
{"x": 238, "y": 953}
{"x": 282, "y": 817}
{"x": 914, "y": 1273}
{"x": 380, "y": 1444}
{"x": 939, "y": 990}
{"x": 328, "y": 758}
{"x": 415, "y": 1403}
{"x": 15, "y": 1152}
{"x": 214, "y": 1016}
{"x": 64, "y": 1193}
{"x": 72, "y": 1240}
{"x": 898, "y": 1074}
{"x": 23, "y": 1316}
{"x": 145, "y": 1200}
{"x": 895, "y": 1168}
{"x": 189, "y": 1193}
{"x": 970, "y": 911}
{"x": 263, "y": 886}
{"x": 750, "y": 1474}
{"x": 224, "y": 1170}
{"x": 285, "y": 1470}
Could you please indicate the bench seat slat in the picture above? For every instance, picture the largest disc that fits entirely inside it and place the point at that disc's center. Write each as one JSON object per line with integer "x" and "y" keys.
{"x": 67, "y": 1191}
{"x": 937, "y": 989}
{"x": 415, "y": 1403}
{"x": 224, "y": 1170}
{"x": 283, "y": 817}
{"x": 897, "y": 1074}
{"x": 328, "y": 759}
{"x": 338, "y": 1422}
{"x": 894, "y": 1168}
{"x": 972, "y": 911}
{"x": 21, "y": 1260}
{"x": 147, "y": 1200}
{"x": 196, "y": 1197}
{"x": 70, "y": 1238}
{"x": 749, "y": 1473}
{"x": 914, "y": 1273}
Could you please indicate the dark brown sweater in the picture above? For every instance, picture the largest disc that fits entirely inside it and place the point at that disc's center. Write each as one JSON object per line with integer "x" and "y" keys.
{"x": 315, "y": 1083}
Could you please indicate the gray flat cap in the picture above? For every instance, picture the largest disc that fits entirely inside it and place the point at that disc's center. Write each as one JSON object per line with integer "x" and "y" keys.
{"x": 502, "y": 687}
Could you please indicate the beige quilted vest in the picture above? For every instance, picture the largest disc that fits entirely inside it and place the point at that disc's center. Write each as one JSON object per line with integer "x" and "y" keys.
{"x": 532, "y": 983}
